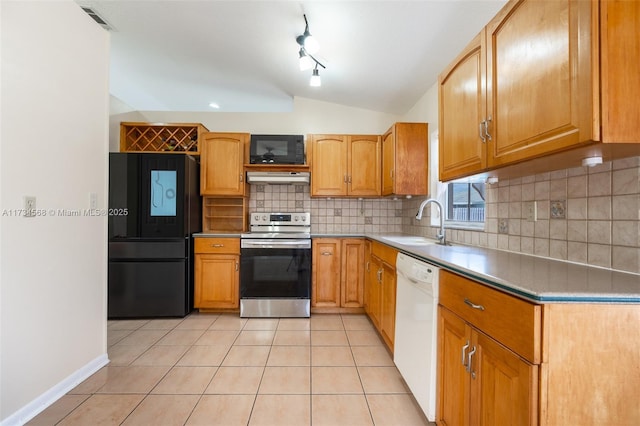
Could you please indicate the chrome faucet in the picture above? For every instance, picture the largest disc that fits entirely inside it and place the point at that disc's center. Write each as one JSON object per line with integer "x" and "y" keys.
{"x": 441, "y": 236}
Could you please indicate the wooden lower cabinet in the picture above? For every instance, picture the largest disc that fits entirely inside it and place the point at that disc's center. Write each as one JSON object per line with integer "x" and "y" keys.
{"x": 216, "y": 273}
{"x": 337, "y": 273}
{"x": 380, "y": 288}
{"x": 482, "y": 382}
{"x": 352, "y": 273}
{"x": 373, "y": 293}
{"x": 503, "y": 360}
{"x": 325, "y": 281}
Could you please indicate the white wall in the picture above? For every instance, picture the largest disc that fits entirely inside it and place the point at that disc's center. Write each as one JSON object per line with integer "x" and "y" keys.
{"x": 54, "y": 139}
{"x": 308, "y": 116}
{"x": 426, "y": 109}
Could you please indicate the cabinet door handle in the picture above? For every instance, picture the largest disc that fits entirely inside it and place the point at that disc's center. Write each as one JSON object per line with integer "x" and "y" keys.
{"x": 236, "y": 266}
{"x": 473, "y": 351}
{"x": 379, "y": 275}
{"x": 349, "y": 179}
{"x": 464, "y": 355}
{"x": 486, "y": 128}
{"x": 481, "y": 131}
{"x": 345, "y": 179}
{"x": 367, "y": 266}
{"x": 217, "y": 245}
{"x": 241, "y": 178}
{"x": 473, "y": 305}
{"x": 392, "y": 173}
{"x": 326, "y": 253}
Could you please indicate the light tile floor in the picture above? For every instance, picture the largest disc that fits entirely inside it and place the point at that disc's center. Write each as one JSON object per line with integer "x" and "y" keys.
{"x": 209, "y": 369}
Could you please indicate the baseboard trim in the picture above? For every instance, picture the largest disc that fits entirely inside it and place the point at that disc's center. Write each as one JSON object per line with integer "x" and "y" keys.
{"x": 39, "y": 404}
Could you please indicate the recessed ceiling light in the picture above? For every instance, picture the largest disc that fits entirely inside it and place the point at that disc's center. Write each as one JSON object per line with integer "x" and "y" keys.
{"x": 214, "y": 105}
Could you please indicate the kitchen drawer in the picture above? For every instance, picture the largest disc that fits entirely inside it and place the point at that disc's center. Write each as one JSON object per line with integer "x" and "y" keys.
{"x": 217, "y": 245}
{"x": 513, "y": 322}
{"x": 384, "y": 252}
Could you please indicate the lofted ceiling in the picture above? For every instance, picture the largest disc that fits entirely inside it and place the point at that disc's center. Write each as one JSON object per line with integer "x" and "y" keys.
{"x": 182, "y": 55}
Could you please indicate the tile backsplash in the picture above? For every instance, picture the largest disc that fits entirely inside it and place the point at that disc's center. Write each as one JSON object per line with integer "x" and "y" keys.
{"x": 329, "y": 215}
{"x": 584, "y": 215}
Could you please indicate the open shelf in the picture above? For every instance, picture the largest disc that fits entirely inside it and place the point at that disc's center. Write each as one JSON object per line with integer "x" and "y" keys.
{"x": 161, "y": 137}
{"x": 224, "y": 214}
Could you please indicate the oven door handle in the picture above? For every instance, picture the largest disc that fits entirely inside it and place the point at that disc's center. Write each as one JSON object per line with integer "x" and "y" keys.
{"x": 275, "y": 244}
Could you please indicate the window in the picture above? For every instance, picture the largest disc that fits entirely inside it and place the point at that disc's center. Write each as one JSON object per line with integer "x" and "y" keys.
{"x": 465, "y": 202}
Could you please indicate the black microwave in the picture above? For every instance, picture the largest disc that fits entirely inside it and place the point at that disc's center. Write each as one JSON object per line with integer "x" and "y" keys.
{"x": 276, "y": 149}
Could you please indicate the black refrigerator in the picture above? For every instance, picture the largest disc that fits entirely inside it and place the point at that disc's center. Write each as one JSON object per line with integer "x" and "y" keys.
{"x": 155, "y": 207}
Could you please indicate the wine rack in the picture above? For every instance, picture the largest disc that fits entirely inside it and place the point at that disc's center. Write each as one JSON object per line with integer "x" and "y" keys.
{"x": 161, "y": 137}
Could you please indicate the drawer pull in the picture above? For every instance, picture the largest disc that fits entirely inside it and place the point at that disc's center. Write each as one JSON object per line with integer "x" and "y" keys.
{"x": 473, "y": 351}
{"x": 326, "y": 253}
{"x": 464, "y": 355}
{"x": 473, "y": 305}
{"x": 217, "y": 245}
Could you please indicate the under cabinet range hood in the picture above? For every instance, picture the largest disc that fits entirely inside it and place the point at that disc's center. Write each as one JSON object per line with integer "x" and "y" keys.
{"x": 278, "y": 178}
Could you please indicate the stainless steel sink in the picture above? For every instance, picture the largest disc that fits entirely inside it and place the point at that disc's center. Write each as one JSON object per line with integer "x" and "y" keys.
{"x": 410, "y": 240}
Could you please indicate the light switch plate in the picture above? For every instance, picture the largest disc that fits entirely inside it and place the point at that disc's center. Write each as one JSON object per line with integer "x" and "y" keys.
{"x": 93, "y": 200}
{"x": 29, "y": 206}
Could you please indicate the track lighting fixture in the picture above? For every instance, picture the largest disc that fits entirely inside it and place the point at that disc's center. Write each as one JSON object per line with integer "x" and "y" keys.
{"x": 308, "y": 46}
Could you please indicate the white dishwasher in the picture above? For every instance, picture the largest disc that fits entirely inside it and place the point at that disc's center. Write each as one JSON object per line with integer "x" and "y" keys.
{"x": 416, "y": 329}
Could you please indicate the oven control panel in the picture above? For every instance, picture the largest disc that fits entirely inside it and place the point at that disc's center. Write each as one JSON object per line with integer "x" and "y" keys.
{"x": 280, "y": 219}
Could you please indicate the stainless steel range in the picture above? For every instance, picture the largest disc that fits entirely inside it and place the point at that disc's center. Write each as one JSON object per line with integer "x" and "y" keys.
{"x": 275, "y": 266}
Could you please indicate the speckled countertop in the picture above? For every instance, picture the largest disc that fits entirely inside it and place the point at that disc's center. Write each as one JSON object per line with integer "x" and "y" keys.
{"x": 537, "y": 279}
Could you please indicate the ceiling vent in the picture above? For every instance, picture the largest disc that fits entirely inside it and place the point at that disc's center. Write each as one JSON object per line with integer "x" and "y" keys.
{"x": 94, "y": 15}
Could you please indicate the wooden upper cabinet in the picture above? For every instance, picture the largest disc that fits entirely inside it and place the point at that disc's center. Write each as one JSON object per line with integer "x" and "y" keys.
{"x": 328, "y": 162}
{"x": 619, "y": 63}
{"x": 462, "y": 105}
{"x": 345, "y": 165}
{"x": 363, "y": 161}
{"x": 539, "y": 79}
{"x": 222, "y": 163}
{"x": 550, "y": 81}
{"x": 405, "y": 159}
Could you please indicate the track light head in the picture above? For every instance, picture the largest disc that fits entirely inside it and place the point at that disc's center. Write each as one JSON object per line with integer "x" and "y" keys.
{"x": 306, "y": 63}
{"x": 311, "y": 45}
{"x": 306, "y": 40}
{"x": 315, "y": 78}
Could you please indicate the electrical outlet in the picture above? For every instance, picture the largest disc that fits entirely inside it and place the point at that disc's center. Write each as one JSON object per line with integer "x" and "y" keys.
{"x": 531, "y": 211}
{"x": 93, "y": 200}
{"x": 558, "y": 209}
{"x": 29, "y": 206}
{"x": 503, "y": 226}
